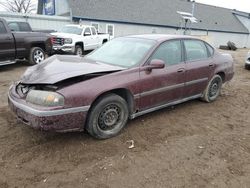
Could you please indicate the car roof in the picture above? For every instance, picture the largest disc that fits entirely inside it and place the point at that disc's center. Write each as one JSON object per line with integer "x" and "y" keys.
{"x": 16, "y": 22}
{"x": 79, "y": 26}
{"x": 162, "y": 37}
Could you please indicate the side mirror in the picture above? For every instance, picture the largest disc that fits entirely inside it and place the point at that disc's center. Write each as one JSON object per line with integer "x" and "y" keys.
{"x": 155, "y": 64}
{"x": 87, "y": 34}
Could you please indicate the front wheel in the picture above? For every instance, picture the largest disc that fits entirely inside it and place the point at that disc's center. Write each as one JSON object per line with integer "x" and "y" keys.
{"x": 247, "y": 66}
{"x": 213, "y": 89}
{"x": 78, "y": 50}
{"x": 107, "y": 117}
{"x": 37, "y": 55}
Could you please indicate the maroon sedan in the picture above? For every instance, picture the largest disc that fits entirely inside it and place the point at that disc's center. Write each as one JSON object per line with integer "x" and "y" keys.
{"x": 126, "y": 78}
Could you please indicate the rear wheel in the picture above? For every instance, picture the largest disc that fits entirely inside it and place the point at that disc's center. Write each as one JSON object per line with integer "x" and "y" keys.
{"x": 107, "y": 117}
{"x": 78, "y": 50}
{"x": 104, "y": 41}
{"x": 37, "y": 55}
{"x": 247, "y": 66}
{"x": 213, "y": 89}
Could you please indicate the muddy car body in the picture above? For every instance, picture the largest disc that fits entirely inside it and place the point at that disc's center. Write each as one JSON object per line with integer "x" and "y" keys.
{"x": 98, "y": 94}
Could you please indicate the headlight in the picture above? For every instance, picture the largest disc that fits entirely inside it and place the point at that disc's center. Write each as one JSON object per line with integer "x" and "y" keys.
{"x": 68, "y": 41}
{"x": 45, "y": 98}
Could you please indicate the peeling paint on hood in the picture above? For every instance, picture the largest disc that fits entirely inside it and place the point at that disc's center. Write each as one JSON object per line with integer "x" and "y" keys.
{"x": 58, "y": 68}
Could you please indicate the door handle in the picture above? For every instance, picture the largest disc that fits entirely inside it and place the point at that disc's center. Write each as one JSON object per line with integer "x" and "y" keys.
{"x": 211, "y": 65}
{"x": 181, "y": 70}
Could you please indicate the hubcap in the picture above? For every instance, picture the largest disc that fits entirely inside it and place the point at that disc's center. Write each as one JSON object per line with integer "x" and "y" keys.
{"x": 79, "y": 51}
{"x": 109, "y": 117}
{"x": 214, "y": 88}
{"x": 38, "y": 56}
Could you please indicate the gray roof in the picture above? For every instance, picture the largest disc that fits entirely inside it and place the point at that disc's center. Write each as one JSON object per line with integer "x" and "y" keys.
{"x": 157, "y": 12}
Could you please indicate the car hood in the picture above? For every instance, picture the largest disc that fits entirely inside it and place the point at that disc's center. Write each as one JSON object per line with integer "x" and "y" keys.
{"x": 58, "y": 68}
{"x": 64, "y": 35}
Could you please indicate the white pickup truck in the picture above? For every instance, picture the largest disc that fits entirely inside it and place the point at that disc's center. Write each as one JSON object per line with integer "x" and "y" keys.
{"x": 75, "y": 39}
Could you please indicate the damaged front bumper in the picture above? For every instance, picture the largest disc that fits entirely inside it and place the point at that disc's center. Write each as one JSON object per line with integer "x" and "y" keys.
{"x": 48, "y": 119}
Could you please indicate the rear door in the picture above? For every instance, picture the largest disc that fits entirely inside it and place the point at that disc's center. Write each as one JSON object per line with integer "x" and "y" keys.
{"x": 163, "y": 86}
{"x": 7, "y": 45}
{"x": 200, "y": 67}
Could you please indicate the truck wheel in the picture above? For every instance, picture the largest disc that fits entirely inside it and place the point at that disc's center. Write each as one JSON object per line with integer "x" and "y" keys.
{"x": 213, "y": 89}
{"x": 78, "y": 50}
{"x": 104, "y": 41}
{"x": 37, "y": 55}
{"x": 107, "y": 117}
{"x": 247, "y": 66}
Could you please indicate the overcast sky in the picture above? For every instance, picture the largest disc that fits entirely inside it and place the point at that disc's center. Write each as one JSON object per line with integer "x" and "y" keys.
{"x": 242, "y": 5}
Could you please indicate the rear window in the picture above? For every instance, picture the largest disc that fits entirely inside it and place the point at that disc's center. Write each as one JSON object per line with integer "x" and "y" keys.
{"x": 24, "y": 27}
{"x": 2, "y": 28}
{"x": 195, "y": 50}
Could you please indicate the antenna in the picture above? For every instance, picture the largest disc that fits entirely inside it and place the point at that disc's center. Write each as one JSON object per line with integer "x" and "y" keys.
{"x": 186, "y": 16}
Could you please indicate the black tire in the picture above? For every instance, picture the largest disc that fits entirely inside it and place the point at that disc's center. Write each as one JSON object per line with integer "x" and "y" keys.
{"x": 213, "y": 89}
{"x": 79, "y": 50}
{"x": 37, "y": 55}
{"x": 107, "y": 117}
{"x": 247, "y": 66}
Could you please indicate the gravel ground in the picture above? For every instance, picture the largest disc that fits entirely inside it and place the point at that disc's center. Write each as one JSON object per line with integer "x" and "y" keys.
{"x": 194, "y": 144}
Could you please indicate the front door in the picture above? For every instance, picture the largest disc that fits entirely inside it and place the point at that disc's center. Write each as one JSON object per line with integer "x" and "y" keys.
{"x": 88, "y": 42}
{"x": 7, "y": 47}
{"x": 163, "y": 86}
{"x": 200, "y": 67}
{"x": 95, "y": 38}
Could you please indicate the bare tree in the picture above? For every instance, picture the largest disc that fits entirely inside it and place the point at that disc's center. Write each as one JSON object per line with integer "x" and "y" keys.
{"x": 21, "y": 6}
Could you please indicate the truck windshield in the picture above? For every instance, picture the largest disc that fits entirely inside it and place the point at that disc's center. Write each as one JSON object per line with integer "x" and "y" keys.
{"x": 72, "y": 30}
{"x": 124, "y": 52}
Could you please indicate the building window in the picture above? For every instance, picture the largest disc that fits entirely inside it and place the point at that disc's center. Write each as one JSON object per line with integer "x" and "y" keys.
{"x": 110, "y": 29}
{"x": 96, "y": 25}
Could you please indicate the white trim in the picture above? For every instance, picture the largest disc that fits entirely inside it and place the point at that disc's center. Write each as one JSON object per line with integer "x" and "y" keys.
{"x": 107, "y": 25}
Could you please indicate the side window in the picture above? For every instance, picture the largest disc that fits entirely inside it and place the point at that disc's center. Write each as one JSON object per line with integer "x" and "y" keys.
{"x": 93, "y": 31}
{"x": 210, "y": 50}
{"x": 170, "y": 52}
{"x": 87, "y": 32}
{"x": 2, "y": 28}
{"x": 110, "y": 29}
{"x": 14, "y": 27}
{"x": 195, "y": 50}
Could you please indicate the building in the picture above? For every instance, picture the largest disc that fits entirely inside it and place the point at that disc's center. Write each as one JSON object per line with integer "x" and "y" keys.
{"x": 126, "y": 17}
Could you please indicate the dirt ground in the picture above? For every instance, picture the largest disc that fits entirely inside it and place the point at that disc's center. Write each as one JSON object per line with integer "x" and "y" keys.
{"x": 194, "y": 144}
